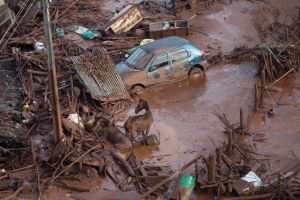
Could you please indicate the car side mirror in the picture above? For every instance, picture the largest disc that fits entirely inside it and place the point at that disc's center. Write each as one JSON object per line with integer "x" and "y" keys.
{"x": 152, "y": 68}
{"x": 125, "y": 56}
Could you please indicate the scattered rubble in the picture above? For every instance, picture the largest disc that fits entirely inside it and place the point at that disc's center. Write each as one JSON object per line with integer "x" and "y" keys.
{"x": 93, "y": 98}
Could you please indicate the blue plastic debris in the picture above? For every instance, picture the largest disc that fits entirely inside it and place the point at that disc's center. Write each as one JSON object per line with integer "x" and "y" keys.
{"x": 59, "y": 32}
{"x": 88, "y": 35}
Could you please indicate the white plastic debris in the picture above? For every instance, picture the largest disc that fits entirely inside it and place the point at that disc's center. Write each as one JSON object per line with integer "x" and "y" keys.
{"x": 247, "y": 184}
{"x": 251, "y": 177}
{"x": 39, "y": 46}
{"x": 74, "y": 118}
{"x": 166, "y": 25}
{"x": 80, "y": 29}
{"x": 86, "y": 33}
{"x": 2, "y": 171}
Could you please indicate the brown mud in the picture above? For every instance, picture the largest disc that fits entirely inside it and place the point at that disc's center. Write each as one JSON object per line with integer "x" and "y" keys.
{"x": 183, "y": 112}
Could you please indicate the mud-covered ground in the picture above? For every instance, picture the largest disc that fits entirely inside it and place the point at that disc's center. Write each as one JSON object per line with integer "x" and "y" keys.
{"x": 184, "y": 112}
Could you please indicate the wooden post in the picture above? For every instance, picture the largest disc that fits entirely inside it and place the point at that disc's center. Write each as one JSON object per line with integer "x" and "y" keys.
{"x": 298, "y": 22}
{"x": 256, "y": 97}
{"x": 263, "y": 85}
{"x": 263, "y": 79}
{"x": 57, "y": 124}
{"x": 279, "y": 185}
{"x": 230, "y": 183}
{"x": 287, "y": 35}
{"x": 219, "y": 160}
{"x": 271, "y": 64}
{"x": 241, "y": 118}
{"x": 230, "y": 143}
{"x": 197, "y": 175}
{"x": 212, "y": 163}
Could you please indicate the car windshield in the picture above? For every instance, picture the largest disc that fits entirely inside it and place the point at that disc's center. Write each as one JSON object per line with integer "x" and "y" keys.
{"x": 138, "y": 59}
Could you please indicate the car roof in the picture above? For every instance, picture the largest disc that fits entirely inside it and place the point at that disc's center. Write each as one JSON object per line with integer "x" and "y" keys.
{"x": 164, "y": 43}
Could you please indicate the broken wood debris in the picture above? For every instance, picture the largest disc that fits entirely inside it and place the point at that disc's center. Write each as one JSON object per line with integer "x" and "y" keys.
{"x": 84, "y": 146}
{"x": 228, "y": 175}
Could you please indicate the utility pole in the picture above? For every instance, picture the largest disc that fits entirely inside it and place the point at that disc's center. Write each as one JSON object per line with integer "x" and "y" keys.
{"x": 54, "y": 98}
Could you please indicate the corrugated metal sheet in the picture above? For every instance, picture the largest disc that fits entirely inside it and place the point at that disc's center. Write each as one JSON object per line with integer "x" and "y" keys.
{"x": 125, "y": 20}
{"x": 107, "y": 85}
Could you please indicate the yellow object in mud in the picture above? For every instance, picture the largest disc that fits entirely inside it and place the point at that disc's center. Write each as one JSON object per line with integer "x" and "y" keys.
{"x": 146, "y": 41}
{"x": 90, "y": 122}
{"x": 26, "y": 107}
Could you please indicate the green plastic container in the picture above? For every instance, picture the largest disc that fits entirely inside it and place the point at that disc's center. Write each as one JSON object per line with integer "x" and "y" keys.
{"x": 59, "y": 32}
{"x": 88, "y": 35}
{"x": 186, "y": 186}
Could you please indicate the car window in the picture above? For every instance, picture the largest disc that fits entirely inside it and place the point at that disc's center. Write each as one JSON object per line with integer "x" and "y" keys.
{"x": 179, "y": 54}
{"x": 139, "y": 59}
{"x": 160, "y": 61}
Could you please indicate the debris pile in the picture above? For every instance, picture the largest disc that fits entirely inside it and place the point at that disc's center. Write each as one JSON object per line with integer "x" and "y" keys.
{"x": 235, "y": 168}
{"x": 279, "y": 60}
{"x": 91, "y": 93}
{"x": 93, "y": 97}
{"x": 83, "y": 143}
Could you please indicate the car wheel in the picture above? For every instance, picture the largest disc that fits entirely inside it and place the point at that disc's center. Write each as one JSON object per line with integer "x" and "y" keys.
{"x": 196, "y": 73}
{"x": 137, "y": 89}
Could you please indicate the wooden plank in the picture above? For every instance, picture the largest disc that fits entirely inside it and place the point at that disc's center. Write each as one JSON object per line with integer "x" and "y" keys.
{"x": 125, "y": 20}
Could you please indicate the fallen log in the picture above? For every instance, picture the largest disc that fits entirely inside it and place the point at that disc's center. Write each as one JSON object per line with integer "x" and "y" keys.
{"x": 212, "y": 161}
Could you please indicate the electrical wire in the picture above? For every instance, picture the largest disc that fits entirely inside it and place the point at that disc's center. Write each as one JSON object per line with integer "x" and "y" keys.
{"x": 17, "y": 25}
{"x": 13, "y": 23}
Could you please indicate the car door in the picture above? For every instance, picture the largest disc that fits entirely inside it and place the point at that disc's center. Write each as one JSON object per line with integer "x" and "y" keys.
{"x": 158, "y": 70}
{"x": 179, "y": 63}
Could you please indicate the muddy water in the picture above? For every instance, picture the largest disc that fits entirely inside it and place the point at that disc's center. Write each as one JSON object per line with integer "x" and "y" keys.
{"x": 184, "y": 113}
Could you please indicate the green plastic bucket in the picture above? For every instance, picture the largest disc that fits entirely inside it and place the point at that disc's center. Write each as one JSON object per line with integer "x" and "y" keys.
{"x": 187, "y": 182}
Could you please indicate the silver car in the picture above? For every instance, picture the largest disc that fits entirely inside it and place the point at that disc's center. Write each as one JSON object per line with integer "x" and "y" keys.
{"x": 165, "y": 60}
